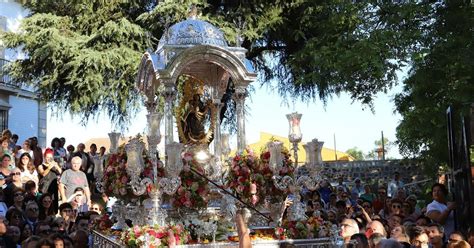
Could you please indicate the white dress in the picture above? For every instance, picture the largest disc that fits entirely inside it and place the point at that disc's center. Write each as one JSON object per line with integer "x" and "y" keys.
{"x": 27, "y": 175}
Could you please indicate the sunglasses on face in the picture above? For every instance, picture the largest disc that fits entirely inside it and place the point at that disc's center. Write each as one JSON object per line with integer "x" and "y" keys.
{"x": 33, "y": 209}
{"x": 96, "y": 209}
{"x": 17, "y": 174}
{"x": 382, "y": 192}
{"x": 396, "y": 206}
{"x": 18, "y": 194}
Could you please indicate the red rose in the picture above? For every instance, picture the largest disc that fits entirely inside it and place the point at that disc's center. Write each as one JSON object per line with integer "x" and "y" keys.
{"x": 266, "y": 155}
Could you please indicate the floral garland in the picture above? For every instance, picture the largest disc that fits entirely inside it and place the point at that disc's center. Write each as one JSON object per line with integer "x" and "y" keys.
{"x": 192, "y": 192}
{"x": 304, "y": 229}
{"x": 245, "y": 177}
{"x": 155, "y": 236}
{"x": 272, "y": 192}
{"x": 116, "y": 178}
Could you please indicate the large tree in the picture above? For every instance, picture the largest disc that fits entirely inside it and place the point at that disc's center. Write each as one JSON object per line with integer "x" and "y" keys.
{"x": 442, "y": 75}
{"x": 83, "y": 55}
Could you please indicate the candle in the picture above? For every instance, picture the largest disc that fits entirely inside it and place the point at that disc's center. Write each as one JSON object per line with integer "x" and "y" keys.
{"x": 253, "y": 188}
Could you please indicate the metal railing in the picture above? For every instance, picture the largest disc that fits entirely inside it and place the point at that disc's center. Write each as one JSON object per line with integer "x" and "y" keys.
{"x": 4, "y": 77}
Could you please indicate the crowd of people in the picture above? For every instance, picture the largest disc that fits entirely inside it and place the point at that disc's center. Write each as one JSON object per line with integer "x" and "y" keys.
{"x": 47, "y": 193}
{"x": 387, "y": 217}
{"x": 47, "y": 200}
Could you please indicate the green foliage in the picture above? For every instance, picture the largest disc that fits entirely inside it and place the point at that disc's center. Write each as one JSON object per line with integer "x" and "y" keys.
{"x": 356, "y": 153}
{"x": 441, "y": 76}
{"x": 83, "y": 56}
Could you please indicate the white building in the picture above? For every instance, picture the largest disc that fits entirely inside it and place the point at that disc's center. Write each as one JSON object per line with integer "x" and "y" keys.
{"x": 20, "y": 109}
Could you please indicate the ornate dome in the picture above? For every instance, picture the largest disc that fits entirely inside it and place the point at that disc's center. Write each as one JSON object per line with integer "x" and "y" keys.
{"x": 193, "y": 32}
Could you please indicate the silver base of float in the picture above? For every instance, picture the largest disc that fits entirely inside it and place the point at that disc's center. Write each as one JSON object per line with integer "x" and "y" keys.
{"x": 103, "y": 241}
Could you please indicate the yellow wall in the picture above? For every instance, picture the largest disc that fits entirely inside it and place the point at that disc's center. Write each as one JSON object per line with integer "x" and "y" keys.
{"x": 326, "y": 154}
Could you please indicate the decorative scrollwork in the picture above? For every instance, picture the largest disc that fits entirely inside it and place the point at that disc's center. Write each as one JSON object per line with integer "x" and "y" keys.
{"x": 170, "y": 185}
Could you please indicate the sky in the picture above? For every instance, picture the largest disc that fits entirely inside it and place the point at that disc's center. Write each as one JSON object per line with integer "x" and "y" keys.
{"x": 352, "y": 124}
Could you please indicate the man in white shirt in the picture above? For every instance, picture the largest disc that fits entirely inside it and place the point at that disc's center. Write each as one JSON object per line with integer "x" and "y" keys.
{"x": 394, "y": 185}
{"x": 440, "y": 210}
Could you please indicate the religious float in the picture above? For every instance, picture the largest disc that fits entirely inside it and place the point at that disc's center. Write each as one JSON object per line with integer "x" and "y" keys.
{"x": 191, "y": 195}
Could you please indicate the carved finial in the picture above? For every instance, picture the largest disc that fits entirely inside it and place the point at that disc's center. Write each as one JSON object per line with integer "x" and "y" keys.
{"x": 192, "y": 14}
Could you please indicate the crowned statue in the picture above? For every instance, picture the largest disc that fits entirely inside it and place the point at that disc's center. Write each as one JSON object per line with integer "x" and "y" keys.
{"x": 195, "y": 115}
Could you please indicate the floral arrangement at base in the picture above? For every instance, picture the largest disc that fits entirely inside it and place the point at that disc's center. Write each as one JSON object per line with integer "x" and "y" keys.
{"x": 156, "y": 236}
{"x": 272, "y": 192}
{"x": 245, "y": 177}
{"x": 116, "y": 178}
{"x": 303, "y": 229}
{"x": 193, "y": 191}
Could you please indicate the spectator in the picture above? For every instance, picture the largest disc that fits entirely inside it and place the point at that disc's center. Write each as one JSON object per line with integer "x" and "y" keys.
{"x": 388, "y": 243}
{"x": 45, "y": 243}
{"x": 357, "y": 189}
{"x": 456, "y": 236}
{"x": 25, "y": 233}
{"x": 5, "y": 241}
{"x": 379, "y": 203}
{"x": 65, "y": 211}
{"x": 31, "y": 242}
{"x": 31, "y": 190}
{"x": 349, "y": 227}
{"x": 5, "y": 149}
{"x": 342, "y": 184}
{"x": 80, "y": 238}
{"x": 26, "y": 148}
{"x": 358, "y": 240}
{"x": 69, "y": 156}
{"x": 12, "y": 186}
{"x": 18, "y": 198}
{"x": 375, "y": 239}
{"x": 42, "y": 229}
{"x": 46, "y": 208}
{"x": 57, "y": 239}
{"x": 459, "y": 244}
{"x": 37, "y": 152}
{"x": 31, "y": 214}
{"x": 399, "y": 234}
{"x": 3, "y": 205}
{"x": 325, "y": 191}
{"x": 82, "y": 223}
{"x": 423, "y": 221}
{"x": 394, "y": 185}
{"x": 375, "y": 226}
{"x": 59, "y": 154}
{"x": 78, "y": 201}
{"x": 87, "y": 164}
{"x": 368, "y": 195}
{"x": 15, "y": 234}
{"x": 14, "y": 139}
{"x": 72, "y": 179}
{"x": 96, "y": 207}
{"x": 5, "y": 169}
{"x": 27, "y": 168}
{"x": 14, "y": 217}
{"x": 435, "y": 235}
{"x": 440, "y": 210}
